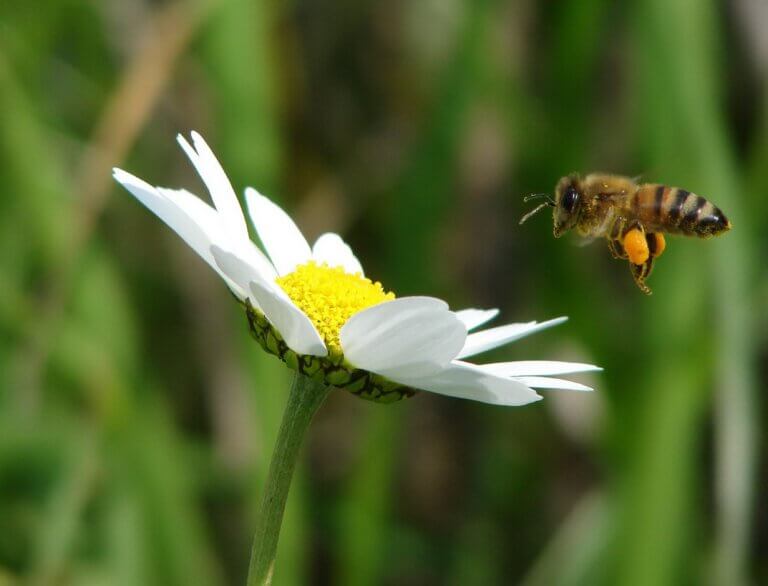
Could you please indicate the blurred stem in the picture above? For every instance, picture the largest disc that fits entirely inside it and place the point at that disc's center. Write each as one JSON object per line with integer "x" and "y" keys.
{"x": 65, "y": 511}
{"x": 573, "y": 555}
{"x": 303, "y": 402}
{"x": 126, "y": 112}
{"x": 680, "y": 41}
{"x": 367, "y": 501}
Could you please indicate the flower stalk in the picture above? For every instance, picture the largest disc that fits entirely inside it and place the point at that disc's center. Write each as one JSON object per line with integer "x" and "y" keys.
{"x": 304, "y": 400}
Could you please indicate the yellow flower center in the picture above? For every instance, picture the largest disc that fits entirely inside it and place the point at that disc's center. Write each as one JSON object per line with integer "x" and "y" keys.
{"x": 330, "y": 296}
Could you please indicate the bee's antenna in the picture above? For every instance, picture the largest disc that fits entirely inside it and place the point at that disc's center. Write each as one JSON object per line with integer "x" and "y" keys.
{"x": 547, "y": 204}
{"x": 550, "y": 203}
{"x": 533, "y": 196}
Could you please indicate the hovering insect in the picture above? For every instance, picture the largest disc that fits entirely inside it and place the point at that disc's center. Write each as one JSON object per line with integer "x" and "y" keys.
{"x": 632, "y": 217}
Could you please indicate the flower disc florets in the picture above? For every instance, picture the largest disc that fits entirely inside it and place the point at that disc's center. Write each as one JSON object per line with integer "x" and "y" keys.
{"x": 329, "y": 296}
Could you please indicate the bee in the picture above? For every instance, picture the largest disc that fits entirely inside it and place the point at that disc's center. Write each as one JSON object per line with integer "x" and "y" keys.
{"x": 632, "y": 217}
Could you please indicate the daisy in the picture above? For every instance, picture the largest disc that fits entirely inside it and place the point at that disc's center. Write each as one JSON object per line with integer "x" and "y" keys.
{"x": 314, "y": 308}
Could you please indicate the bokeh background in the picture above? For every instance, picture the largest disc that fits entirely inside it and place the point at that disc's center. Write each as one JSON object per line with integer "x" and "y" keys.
{"x": 137, "y": 416}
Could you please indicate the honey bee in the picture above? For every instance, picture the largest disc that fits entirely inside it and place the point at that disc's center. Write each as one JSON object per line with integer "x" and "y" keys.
{"x": 632, "y": 217}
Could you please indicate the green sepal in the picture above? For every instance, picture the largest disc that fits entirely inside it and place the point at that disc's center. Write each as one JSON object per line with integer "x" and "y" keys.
{"x": 331, "y": 369}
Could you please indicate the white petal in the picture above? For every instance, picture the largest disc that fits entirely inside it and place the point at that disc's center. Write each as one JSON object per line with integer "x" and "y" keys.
{"x": 234, "y": 267}
{"x": 495, "y": 337}
{"x": 243, "y": 269}
{"x": 207, "y": 217}
{"x": 466, "y": 381}
{"x": 191, "y": 218}
{"x": 197, "y": 210}
{"x": 545, "y": 382}
{"x": 294, "y": 326}
{"x": 251, "y": 255}
{"x": 537, "y": 368}
{"x": 257, "y": 259}
{"x": 411, "y": 336}
{"x": 217, "y": 182}
{"x": 282, "y": 239}
{"x": 331, "y": 249}
{"x": 191, "y": 230}
{"x": 473, "y": 318}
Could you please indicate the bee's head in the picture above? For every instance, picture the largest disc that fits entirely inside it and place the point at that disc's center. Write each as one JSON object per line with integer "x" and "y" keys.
{"x": 568, "y": 199}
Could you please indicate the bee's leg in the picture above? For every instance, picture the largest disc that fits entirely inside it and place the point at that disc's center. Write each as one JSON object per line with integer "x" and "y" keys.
{"x": 617, "y": 229}
{"x": 616, "y": 249}
{"x": 615, "y": 237}
{"x": 635, "y": 243}
{"x": 641, "y": 272}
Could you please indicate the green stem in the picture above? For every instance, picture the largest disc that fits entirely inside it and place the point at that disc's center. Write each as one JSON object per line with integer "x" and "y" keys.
{"x": 303, "y": 402}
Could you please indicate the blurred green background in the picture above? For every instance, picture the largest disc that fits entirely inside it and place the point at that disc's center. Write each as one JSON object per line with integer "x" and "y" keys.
{"x": 136, "y": 415}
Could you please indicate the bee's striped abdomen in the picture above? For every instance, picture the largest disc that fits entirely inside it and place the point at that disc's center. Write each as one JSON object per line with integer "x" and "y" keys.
{"x": 648, "y": 203}
{"x": 698, "y": 216}
{"x": 675, "y": 210}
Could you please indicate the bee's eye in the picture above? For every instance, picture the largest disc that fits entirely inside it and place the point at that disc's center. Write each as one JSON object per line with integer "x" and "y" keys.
{"x": 570, "y": 197}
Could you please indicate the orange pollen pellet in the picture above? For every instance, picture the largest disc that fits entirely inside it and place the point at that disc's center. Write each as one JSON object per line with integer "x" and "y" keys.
{"x": 661, "y": 244}
{"x": 636, "y": 247}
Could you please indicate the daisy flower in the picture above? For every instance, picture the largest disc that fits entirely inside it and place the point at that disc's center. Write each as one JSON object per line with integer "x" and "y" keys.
{"x": 314, "y": 308}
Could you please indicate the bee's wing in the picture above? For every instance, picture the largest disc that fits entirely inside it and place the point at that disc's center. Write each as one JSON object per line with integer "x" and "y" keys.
{"x": 585, "y": 241}
{"x": 619, "y": 195}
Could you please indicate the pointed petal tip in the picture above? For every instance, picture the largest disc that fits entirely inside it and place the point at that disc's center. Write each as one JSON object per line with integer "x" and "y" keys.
{"x": 280, "y": 236}
{"x": 129, "y": 181}
{"x": 250, "y": 192}
{"x": 201, "y": 146}
{"x": 252, "y": 199}
{"x": 550, "y": 383}
{"x": 182, "y": 140}
{"x": 589, "y": 367}
{"x": 218, "y": 252}
{"x": 331, "y": 248}
{"x": 537, "y": 368}
{"x": 479, "y": 342}
{"x": 533, "y": 397}
{"x": 465, "y": 380}
{"x": 474, "y": 318}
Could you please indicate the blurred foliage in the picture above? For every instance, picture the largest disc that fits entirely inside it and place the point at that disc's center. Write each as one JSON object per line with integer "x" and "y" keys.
{"x": 136, "y": 416}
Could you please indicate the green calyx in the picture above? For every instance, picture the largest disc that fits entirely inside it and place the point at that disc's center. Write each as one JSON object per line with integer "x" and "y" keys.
{"x": 331, "y": 370}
